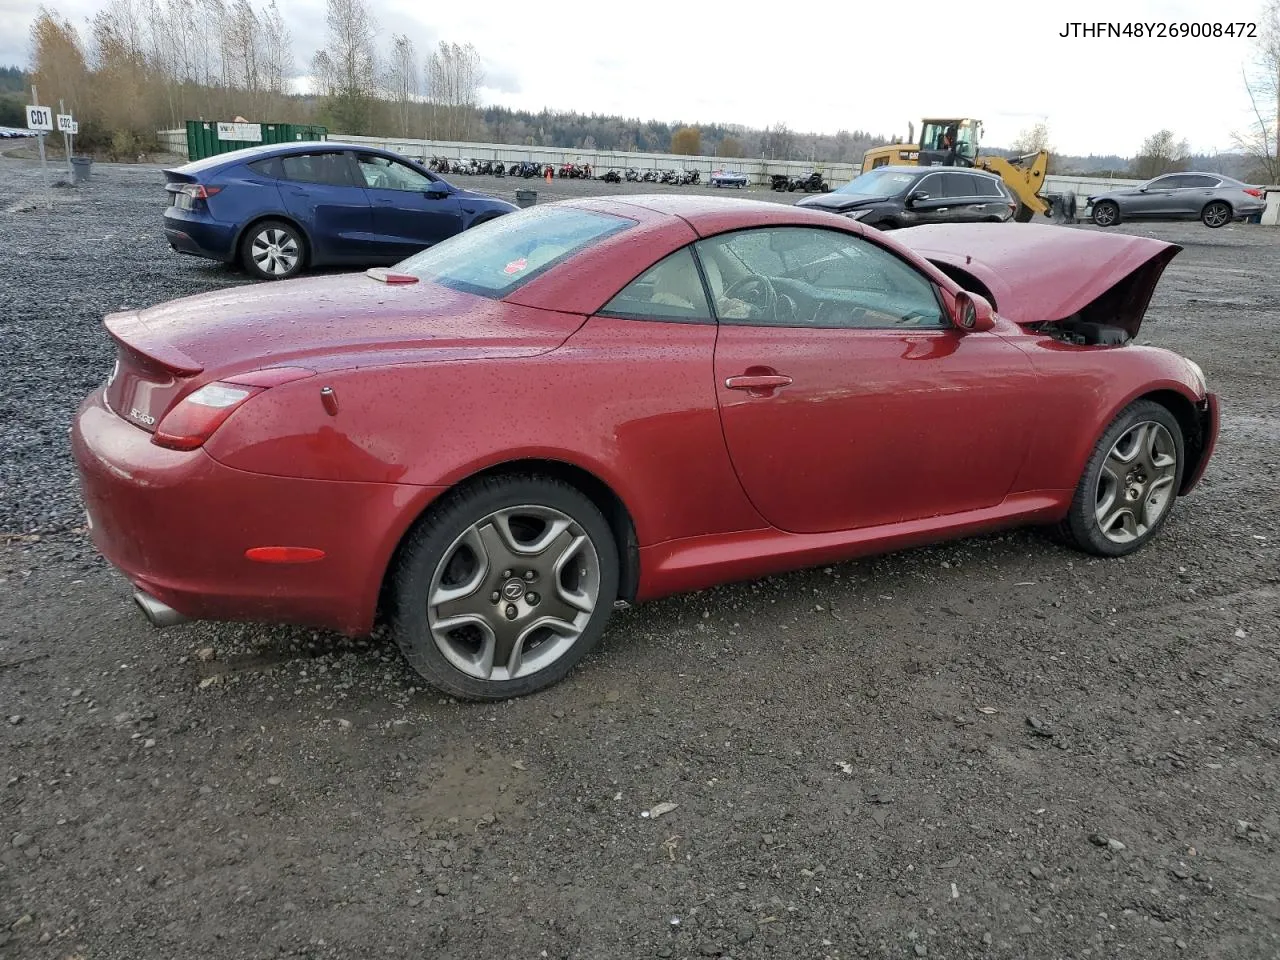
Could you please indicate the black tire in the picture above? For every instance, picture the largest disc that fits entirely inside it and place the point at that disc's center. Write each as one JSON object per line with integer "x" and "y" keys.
{"x": 1106, "y": 213}
{"x": 426, "y": 546}
{"x": 1081, "y": 528}
{"x": 265, "y": 232}
{"x": 1216, "y": 213}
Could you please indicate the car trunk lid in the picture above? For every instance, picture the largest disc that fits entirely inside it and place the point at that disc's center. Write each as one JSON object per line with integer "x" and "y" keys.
{"x": 1038, "y": 273}
{"x": 323, "y": 323}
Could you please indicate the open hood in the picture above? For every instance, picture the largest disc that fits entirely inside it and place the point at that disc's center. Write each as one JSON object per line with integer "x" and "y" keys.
{"x": 1037, "y": 273}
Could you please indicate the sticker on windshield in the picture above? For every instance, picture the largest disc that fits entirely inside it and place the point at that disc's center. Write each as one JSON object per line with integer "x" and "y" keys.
{"x": 515, "y": 266}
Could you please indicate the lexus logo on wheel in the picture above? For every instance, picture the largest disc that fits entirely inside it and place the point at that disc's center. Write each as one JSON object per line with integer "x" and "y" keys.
{"x": 514, "y": 590}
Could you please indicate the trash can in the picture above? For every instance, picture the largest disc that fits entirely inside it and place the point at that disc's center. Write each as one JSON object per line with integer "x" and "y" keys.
{"x": 80, "y": 167}
{"x": 526, "y": 198}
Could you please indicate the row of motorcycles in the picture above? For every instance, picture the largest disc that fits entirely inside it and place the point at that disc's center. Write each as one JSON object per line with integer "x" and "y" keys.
{"x": 568, "y": 171}
{"x": 634, "y": 175}
{"x": 496, "y": 168}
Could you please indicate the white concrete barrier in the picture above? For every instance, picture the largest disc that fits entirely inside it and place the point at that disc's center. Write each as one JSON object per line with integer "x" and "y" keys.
{"x": 1271, "y": 215}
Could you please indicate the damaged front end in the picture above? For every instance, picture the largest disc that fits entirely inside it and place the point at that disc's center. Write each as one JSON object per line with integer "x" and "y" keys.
{"x": 1078, "y": 286}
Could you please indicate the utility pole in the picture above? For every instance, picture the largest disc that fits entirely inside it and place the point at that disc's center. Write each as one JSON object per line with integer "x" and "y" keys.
{"x": 44, "y": 166}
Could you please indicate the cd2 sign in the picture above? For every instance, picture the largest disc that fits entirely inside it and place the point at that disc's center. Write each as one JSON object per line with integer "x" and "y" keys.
{"x": 39, "y": 118}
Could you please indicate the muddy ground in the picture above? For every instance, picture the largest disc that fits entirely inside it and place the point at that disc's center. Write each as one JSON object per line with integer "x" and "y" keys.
{"x": 994, "y": 748}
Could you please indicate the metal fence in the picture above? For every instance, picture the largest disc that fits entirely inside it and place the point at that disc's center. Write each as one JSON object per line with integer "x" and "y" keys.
{"x": 759, "y": 171}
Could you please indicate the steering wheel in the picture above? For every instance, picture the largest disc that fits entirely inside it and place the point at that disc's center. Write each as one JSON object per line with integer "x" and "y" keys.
{"x": 757, "y": 283}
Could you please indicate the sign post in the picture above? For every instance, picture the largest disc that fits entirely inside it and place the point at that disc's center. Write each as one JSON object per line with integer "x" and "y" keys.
{"x": 40, "y": 119}
{"x": 65, "y": 120}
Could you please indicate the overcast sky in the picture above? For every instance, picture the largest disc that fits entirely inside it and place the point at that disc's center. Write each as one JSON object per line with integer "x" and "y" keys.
{"x": 863, "y": 66}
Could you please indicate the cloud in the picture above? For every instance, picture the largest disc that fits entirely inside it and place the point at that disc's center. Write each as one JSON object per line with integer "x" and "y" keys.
{"x": 863, "y": 67}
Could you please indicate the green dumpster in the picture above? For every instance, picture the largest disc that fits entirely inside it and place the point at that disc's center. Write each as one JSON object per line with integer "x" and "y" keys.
{"x": 206, "y": 138}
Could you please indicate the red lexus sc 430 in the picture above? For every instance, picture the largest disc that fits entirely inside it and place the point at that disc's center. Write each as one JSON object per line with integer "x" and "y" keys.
{"x": 596, "y": 402}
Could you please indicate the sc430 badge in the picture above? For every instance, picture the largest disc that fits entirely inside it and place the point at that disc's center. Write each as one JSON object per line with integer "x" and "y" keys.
{"x": 141, "y": 417}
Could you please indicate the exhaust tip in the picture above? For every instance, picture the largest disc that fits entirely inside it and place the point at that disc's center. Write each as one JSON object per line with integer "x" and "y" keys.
{"x": 160, "y": 615}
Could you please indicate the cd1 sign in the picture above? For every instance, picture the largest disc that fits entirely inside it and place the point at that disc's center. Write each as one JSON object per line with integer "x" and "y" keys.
{"x": 39, "y": 118}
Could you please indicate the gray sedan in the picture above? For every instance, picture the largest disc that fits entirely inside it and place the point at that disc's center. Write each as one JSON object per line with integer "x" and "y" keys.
{"x": 1211, "y": 198}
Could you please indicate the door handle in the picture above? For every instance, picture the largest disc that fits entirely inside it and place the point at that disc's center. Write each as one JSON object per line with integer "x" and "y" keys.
{"x": 757, "y": 384}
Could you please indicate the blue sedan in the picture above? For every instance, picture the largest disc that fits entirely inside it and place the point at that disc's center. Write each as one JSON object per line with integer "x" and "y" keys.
{"x": 282, "y": 208}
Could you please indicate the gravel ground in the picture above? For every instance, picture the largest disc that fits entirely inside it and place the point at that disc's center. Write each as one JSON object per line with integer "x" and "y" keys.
{"x": 995, "y": 748}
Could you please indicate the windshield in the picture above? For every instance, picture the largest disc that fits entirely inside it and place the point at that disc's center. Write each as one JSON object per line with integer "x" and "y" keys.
{"x": 495, "y": 258}
{"x": 937, "y": 135}
{"x": 878, "y": 183}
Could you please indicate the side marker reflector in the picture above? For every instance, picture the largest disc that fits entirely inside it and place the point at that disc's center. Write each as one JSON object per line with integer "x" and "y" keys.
{"x": 284, "y": 554}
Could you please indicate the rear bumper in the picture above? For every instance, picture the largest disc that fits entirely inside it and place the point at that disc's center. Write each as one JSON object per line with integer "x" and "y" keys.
{"x": 200, "y": 238}
{"x": 1210, "y": 417}
{"x": 177, "y": 525}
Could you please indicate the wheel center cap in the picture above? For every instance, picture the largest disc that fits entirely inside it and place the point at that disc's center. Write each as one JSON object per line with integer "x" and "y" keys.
{"x": 513, "y": 590}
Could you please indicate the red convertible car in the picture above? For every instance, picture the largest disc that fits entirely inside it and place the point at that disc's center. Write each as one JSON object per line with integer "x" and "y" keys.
{"x": 591, "y": 403}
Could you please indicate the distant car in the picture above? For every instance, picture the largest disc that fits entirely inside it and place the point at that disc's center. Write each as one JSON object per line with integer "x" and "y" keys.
{"x": 901, "y": 196}
{"x": 1211, "y": 198}
{"x": 782, "y": 387}
{"x": 724, "y": 178}
{"x": 282, "y": 208}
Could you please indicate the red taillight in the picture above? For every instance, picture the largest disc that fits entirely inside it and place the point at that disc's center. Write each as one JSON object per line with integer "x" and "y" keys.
{"x": 192, "y": 422}
{"x": 197, "y": 415}
{"x": 1251, "y": 191}
{"x": 198, "y": 191}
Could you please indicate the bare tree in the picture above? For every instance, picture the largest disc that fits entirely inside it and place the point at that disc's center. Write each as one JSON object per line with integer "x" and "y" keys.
{"x": 58, "y": 62}
{"x": 402, "y": 81}
{"x": 1262, "y": 142}
{"x": 350, "y": 65}
{"x": 1161, "y": 153}
{"x": 778, "y": 142}
{"x": 1033, "y": 139}
{"x": 454, "y": 75}
{"x": 277, "y": 51}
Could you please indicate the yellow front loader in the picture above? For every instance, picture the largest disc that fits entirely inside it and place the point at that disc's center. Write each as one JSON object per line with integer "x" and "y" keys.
{"x": 955, "y": 141}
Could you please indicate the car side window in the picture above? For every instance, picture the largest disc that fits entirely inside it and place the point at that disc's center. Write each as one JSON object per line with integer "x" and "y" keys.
{"x": 984, "y": 186}
{"x": 669, "y": 290}
{"x": 327, "y": 168}
{"x": 932, "y": 185}
{"x": 812, "y": 277}
{"x": 1199, "y": 181}
{"x": 383, "y": 173}
{"x": 954, "y": 185}
{"x": 267, "y": 167}
{"x": 1164, "y": 183}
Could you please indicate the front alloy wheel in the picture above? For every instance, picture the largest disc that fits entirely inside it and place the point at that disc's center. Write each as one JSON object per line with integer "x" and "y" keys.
{"x": 1130, "y": 483}
{"x": 504, "y": 586}
{"x": 1135, "y": 484}
{"x": 1106, "y": 214}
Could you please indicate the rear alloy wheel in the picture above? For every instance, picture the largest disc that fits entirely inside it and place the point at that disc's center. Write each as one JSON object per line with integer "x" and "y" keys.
{"x": 273, "y": 250}
{"x": 504, "y": 587}
{"x": 1216, "y": 214}
{"x": 1106, "y": 213}
{"x": 1130, "y": 483}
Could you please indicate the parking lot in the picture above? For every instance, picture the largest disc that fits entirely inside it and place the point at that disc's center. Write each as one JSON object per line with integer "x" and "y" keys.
{"x": 993, "y": 748}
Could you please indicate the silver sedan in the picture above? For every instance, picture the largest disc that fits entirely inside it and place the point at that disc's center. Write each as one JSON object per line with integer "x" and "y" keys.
{"x": 1211, "y": 198}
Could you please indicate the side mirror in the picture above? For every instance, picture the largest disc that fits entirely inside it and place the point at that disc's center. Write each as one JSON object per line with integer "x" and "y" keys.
{"x": 437, "y": 191}
{"x": 916, "y": 196}
{"x": 973, "y": 313}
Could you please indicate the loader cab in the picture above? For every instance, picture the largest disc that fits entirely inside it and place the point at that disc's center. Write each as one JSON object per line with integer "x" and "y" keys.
{"x": 949, "y": 142}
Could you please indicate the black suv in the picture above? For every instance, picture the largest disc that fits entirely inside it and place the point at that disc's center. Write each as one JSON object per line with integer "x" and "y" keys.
{"x": 892, "y": 197}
